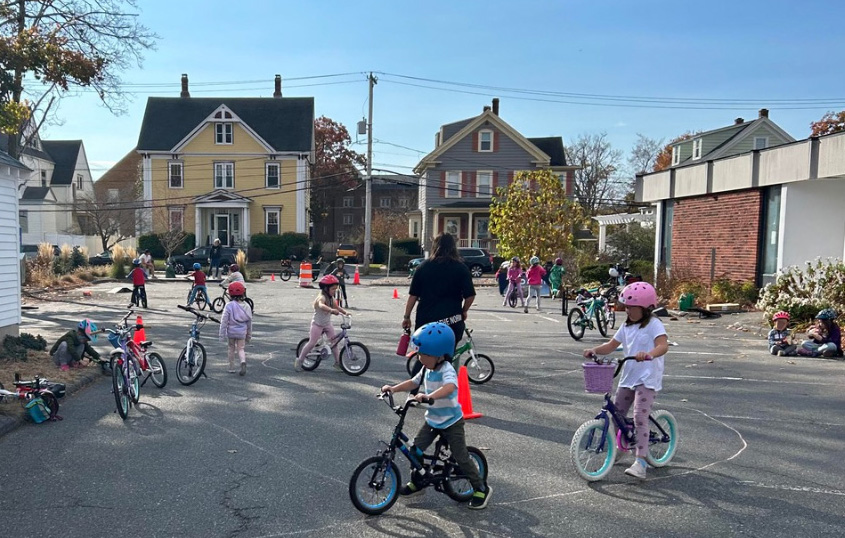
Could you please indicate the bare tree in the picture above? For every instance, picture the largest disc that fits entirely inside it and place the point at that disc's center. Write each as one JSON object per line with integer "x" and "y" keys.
{"x": 597, "y": 179}
{"x": 171, "y": 237}
{"x": 644, "y": 154}
{"x": 112, "y": 220}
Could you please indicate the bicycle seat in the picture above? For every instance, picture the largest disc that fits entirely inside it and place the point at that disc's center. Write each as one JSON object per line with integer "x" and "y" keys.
{"x": 146, "y": 343}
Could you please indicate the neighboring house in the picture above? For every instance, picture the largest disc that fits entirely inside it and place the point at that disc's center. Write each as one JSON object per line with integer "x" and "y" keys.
{"x": 12, "y": 174}
{"x": 471, "y": 159}
{"x": 746, "y": 216}
{"x": 120, "y": 187}
{"x": 226, "y": 167}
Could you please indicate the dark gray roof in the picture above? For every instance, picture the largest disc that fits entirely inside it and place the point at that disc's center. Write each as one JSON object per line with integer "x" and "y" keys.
{"x": 286, "y": 123}
{"x": 8, "y": 160}
{"x": 553, "y": 147}
{"x": 33, "y": 152}
{"x": 395, "y": 181}
{"x": 451, "y": 129}
{"x": 64, "y": 154}
{"x": 469, "y": 204}
{"x": 584, "y": 235}
{"x": 35, "y": 193}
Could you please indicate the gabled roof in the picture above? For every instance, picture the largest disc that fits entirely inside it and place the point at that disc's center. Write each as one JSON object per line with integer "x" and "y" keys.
{"x": 28, "y": 150}
{"x": 221, "y": 195}
{"x": 65, "y": 154}
{"x": 8, "y": 160}
{"x": 553, "y": 147}
{"x": 286, "y": 123}
{"x": 450, "y": 129}
{"x": 35, "y": 193}
{"x": 741, "y": 132}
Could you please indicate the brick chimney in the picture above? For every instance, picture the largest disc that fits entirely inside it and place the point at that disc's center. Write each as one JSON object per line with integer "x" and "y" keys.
{"x": 277, "y": 93}
{"x": 764, "y": 112}
{"x": 739, "y": 121}
{"x": 184, "y": 86}
{"x": 486, "y": 108}
{"x": 496, "y": 106}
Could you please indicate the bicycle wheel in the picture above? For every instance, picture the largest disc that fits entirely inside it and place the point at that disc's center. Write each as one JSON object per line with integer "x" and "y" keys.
{"x": 661, "y": 449}
{"x": 218, "y": 304}
{"x": 575, "y": 323}
{"x": 190, "y": 366}
{"x": 51, "y": 402}
{"x": 479, "y": 368}
{"x": 134, "y": 380}
{"x": 591, "y": 455}
{"x": 354, "y": 358}
{"x": 158, "y": 370}
{"x": 458, "y": 487}
{"x": 601, "y": 321}
{"x": 250, "y": 303}
{"x": 374, "y": 485}
{"x": 512, "y": 299}
{"x": 611, "y": 317}
{"x": 200, "y": 300}
{"x": 310, "y": 362}
{"x": 121, "y": 395}
{"x": 285, "y": 275}
{"x": 409, "y": 364}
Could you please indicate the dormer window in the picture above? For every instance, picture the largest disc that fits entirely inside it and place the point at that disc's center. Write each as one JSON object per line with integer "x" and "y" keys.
{"x": 761, "y": 142}
{"x": 223, "y": 115}
{"x": 222, "y": 133}
{"x": 485, "y": 141}
{"x": 696, "y": 148}
{"x": 676, "y": 155}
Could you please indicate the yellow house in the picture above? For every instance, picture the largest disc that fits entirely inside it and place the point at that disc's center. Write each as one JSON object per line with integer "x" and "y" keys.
{"x": 226, "y": 168}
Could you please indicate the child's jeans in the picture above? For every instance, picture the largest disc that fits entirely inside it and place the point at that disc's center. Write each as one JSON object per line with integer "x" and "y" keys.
{"x": 139, "y": 295}
{"x": 511, "y": 286}
{"x": 642, "y": 409}
{"x": 534, "y": 291}
{"x": 456, "y": 438}
{"x": 784, "y": 349}
{"x": 810, "y": 348}
{"x": 236, "y": 347}
{"x": 201, "y": 289}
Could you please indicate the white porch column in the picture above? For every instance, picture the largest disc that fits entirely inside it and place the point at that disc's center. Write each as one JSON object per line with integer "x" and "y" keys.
{"x": 245, "y": 225}
{"x": 469, "y": 232}
{"x": 602, "y": 236}
{"x": 198, "y": 225}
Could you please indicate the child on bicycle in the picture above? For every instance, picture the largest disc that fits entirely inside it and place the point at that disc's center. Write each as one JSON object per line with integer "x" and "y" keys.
{"x": 324, "y": 308}
{"x": 435, "y": 344}
{"x": 644, "y": 337}
{"x": 535, "y": 281}
{"x": 236, "y": 326}
{"x": 139, "y": 279}
{"x": 234, "y": 276}
{"x": 199, "y": 285}
{"x": 69, "y": 350}
{"x": 340, "y": 273}
{"x": 515, "y": 282}
{"x": 779, "y": 336}
{"x": 825, "y": 337}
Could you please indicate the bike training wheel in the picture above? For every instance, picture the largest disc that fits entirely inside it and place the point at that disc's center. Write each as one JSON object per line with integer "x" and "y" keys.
{"x": 374, "y": 485}
{"x": 611, "y": 317}
{"x": 134, "y": 381}
{"x": 458, "y": 487}
{"x": 479, "y": 368}
{"x": 51, "y": 402}
{"x": 285, "y": 275}
{"x": 601, "y": 321}
{"x": 310, "y": 363}
{"x": 591, "y": 457}
{"x": 250, "y": 303}
{"x": 660, "y": 451}
{"x": 512, "y": 299}
{"x": 354, "y": 358}
{"x": 575, "y": 323}
{"x": 120, "y": 390}
{"x": 158, "y": 370}
{"x": 409, "y": 364}
{"x": 218, "y": 304}
{"x": 190, "y": 366}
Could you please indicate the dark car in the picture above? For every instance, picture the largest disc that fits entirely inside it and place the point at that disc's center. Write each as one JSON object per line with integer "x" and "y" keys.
{"x": 478, "y": 260}
{"x": 103, "y": 258}
{"x": 182, "y": 263}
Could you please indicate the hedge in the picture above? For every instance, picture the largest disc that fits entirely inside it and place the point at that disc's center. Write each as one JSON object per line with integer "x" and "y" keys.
{"x": 153, "y": 243}
{"x": 278, "y": 247}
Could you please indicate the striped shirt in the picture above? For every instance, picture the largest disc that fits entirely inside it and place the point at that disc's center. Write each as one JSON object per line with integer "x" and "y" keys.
{"x": 445, "y": 411}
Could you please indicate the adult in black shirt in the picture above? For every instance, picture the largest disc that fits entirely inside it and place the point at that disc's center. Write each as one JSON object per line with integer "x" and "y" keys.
{"x": 214, "y": 257}
{"x": 441, "y": 289}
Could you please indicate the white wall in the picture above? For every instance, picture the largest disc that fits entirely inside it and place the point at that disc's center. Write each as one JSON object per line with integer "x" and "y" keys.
{"x": 812, "y": 221}
{"x": 10, "y": 288}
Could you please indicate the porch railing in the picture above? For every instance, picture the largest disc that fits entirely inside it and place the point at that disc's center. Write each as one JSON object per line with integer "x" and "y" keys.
{"x": 488, "y": 243}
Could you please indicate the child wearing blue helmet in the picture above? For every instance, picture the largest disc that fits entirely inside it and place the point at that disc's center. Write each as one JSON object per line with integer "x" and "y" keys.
{"x": 435, "y": 344}
{"x": 199, "y": 285}
{"x": 69, "y": 350}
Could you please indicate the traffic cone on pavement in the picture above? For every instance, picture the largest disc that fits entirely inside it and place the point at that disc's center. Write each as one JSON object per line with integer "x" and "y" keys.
{"x": 357, "y": 279}
{"x": 464, "y": 396}
{"x": 139, "y": 335}
{"x": 395, "y": 293}
{"x": 272, "y": 277}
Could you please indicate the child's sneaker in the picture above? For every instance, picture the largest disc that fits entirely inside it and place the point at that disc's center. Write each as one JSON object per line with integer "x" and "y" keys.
{"x": 297, "y": 365}
{"x": 337, "y": 367}
{"x": 637, "y": 470}
{"x": 525, "y": 309}
{"x": 64, "y": 368}
{"x": 411, "y": 490}
{"x": 781, "y": 353}
{"x": 480, "y": 498}
{"x": 243, "y": 369}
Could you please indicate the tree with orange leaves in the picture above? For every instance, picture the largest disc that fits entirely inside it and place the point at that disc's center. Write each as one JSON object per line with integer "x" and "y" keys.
{"x": 664, "y": 158}
{"x": 832, "y": 122}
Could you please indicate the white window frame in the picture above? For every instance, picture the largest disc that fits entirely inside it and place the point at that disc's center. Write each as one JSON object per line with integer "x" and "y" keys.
{"x": 348, "y": 201}
{"x": 676, "y": 155}
{"x": 43, "y": 178}
{"x": 278, "y": 213}
{"x": 415, "y": 229}
{"x": 453, "y": 178}
{"x": 23, "y": 220}
{"x": 348, "y": 219}
{"x": 384, "y": 202}
{"x": 696, "y": 149}
{"x": 457, "y": 221}
{"x": 403, "y": 202}
{"x": 79, "y": 180}
{"x": 171, "y": 211}
{"x": 489, "y": 175}
{"x": 765, "y": 140}
{"x": 267, "y": 168}
{"x": 224, "y": 133}
{"x": 224, "y": 166}
{"x": 170, "y": 175}
{"x": 481, "y": 141}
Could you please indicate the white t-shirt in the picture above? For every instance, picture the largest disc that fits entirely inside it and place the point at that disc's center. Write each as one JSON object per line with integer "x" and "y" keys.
{"x": 146, "y": 258}
{"x": 635, "y": 339}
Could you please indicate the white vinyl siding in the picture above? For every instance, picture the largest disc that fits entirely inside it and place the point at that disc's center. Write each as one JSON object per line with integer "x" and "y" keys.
{"x": 224, "y": 175}
{"x": 453, "y": 184}
{"x": 10, "y": 284}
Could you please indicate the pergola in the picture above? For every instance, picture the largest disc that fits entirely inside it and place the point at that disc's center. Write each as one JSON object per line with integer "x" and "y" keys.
{"x": 645, "y": 215}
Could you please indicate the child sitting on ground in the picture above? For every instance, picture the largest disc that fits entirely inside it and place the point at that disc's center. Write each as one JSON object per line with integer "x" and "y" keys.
{"x": 68, "y": 350}
{"x": 825, "y": 337}
{"x": 779, "y": 336}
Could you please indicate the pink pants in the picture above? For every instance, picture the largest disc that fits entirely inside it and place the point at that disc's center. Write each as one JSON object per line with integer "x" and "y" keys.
{"x": 314, "y": 336}
{"x": 518, "y": 286}
{"x": 236, "y": 348}
{"x": 643, "y": 399}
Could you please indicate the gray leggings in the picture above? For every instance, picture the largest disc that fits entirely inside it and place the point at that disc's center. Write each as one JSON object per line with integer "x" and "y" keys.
{"x": 63, "y": 357}
{"x": 456, "y": 438}
{"x": 643, "y": 399}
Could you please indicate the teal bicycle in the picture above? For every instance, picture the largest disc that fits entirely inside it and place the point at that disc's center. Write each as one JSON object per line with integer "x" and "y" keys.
{"x": 480, "y": 367}
{"x": 589, "y": 305}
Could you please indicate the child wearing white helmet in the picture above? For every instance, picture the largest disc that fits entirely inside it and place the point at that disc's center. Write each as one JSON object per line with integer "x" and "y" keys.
{"x": 644, "y": 337}
{"x": 535, "y": 281}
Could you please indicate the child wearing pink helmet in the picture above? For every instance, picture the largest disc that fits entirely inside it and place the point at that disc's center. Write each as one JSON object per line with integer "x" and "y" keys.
{"x": 779, "y": 336}
{"x": 644, "y": 337}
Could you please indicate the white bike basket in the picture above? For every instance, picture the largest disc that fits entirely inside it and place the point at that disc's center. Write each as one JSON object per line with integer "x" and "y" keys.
{"x": 598, "y": 377}
{"x": 346, "y": 322}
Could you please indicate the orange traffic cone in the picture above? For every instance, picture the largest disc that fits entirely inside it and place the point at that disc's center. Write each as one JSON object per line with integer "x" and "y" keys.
{"x": 272, "y": 277}
{"x": 139, "y": 335}
{"x": 357, "y": 279}
{"x": 464, "y": 396}
{"x": 395, "y": 293}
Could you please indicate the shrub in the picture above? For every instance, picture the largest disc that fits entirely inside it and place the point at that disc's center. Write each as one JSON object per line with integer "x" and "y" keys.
{"x": 63, "y": 263}
{"x": 15, "y": 347}
{"x": 79, "y": 257}
{"x": 120, "y": 257}
{"x": 316, "y": 250}
{"x": 644, "y": 268}
{"x": 803, "y": 291}
{"x": 33, "y": 342}
{"x": 278, "y": 247}
{"x": 410, "y": 246}
{"x": 379, "y": 253}
{"x": 153, "y": 243}
{"x": 591, "y": 273}
{"x": 255, "y": 254}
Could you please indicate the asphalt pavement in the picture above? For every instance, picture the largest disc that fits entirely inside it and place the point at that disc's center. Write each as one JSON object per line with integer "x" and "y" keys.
{"x": 271, "y": 453}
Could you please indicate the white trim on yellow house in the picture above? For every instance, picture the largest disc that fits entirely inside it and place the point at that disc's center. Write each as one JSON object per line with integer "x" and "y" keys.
{"x": 210, "y": 119}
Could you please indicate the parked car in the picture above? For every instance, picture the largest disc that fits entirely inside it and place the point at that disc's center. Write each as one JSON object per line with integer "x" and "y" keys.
{"x": 182, "y": 263}
{"x": 478, "y": 260}
{"x": 31, "y": 251}
{"x": 103, "y": 258}
{"x": 347, "y": 252}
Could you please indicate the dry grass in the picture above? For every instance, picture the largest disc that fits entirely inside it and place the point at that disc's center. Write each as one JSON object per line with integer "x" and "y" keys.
{"x": 43, "y": 277}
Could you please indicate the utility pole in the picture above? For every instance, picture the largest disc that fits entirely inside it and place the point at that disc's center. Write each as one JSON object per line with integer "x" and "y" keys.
{"x": 368, "y": 205}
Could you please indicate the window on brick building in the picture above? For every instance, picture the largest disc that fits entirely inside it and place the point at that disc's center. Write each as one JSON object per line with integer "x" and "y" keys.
{"x": 771, "y": 233}
{"x": 666, "y": 233}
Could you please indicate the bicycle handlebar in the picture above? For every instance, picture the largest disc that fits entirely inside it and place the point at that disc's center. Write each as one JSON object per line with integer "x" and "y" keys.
{"x": 619, "y": 362}
{"x": 409, "y": 402}
{"x": 197, "y": 313}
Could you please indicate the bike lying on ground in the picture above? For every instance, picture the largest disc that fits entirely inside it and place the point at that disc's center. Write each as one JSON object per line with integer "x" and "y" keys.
{"x": 354, "y": 356}
{"x": 596, "y": 443}
{"x": 480, "y": 367}
{"x": 218, "y": 304}
{"x": 374, "y": 485}
{"x": 191, "y": 362}
{"x": 26, "y": 391}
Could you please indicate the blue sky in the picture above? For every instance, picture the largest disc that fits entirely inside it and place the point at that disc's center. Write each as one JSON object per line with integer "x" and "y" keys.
{"x": 751, "y": 51}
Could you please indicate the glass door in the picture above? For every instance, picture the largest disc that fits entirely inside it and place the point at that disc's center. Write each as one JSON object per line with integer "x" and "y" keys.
{"x": 221, "y": 228}
{"x": 770, "y": 236}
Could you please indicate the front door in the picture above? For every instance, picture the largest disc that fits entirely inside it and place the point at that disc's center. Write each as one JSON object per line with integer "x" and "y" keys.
{"x": 221, "y": 228}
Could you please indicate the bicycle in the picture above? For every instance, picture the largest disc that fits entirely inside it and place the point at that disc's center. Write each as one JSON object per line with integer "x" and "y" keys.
{"x": 593, "y": 449}
{"x": 150, "y": 362}
{"x": 125, "y": 369}
{"x": 286, "y": 272}
{"x": 374, "y": 485}
{"x": 513, "y": 296}
{"x": 480, "y": 367}
{"x": 199, "y": 299}
{"x": 191, "y": 362}
{"x": 26, "y": 391}
{"x": 589, "y": 305}
{"x": 354, "y": 356}
{"x": 218, "y": 304}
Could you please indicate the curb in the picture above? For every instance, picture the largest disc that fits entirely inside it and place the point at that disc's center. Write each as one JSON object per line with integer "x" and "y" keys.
{"x": 9, "y": 424}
